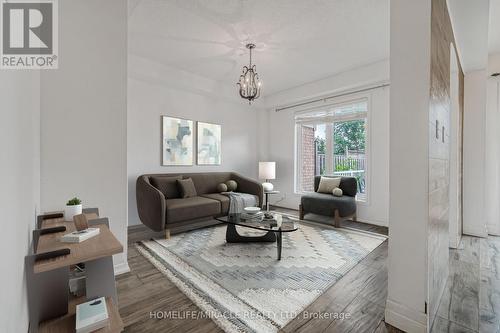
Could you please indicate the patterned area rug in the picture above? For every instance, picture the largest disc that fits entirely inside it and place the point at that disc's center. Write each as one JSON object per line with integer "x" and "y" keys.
{"x": 243, "y": 287}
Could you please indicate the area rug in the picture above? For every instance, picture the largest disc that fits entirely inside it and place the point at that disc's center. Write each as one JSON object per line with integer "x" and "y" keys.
{"x": 243, "y": 287}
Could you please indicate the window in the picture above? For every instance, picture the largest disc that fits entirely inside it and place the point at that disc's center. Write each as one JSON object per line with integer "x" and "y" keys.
{"x": 332, "y": 140}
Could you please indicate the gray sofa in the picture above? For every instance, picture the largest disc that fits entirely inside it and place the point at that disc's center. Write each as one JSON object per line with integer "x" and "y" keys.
{"x": 161, "y": 208}
{"x": 326, "y": 204}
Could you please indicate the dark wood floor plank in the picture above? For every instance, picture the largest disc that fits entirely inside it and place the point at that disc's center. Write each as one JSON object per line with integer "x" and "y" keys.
{"x": 364, "y": 316}
{"x": 378, "y": 257}
{"x": 375, "y": 290}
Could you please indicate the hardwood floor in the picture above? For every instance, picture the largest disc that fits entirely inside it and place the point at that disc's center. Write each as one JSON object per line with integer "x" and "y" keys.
{"x": 360, "y": 295}
{"x": 471, "y": 300}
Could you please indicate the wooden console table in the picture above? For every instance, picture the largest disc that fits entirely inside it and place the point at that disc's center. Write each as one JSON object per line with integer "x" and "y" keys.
{"x": 50, "y": 306}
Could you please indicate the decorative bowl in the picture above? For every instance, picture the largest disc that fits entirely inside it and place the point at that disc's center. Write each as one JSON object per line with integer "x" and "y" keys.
{"x": 251, "y": 210}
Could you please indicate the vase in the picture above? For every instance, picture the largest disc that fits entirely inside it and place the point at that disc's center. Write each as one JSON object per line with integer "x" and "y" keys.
{"x": 70, "y": 211}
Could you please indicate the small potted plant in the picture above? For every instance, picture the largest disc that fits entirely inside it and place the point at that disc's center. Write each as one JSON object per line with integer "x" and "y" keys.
{"x": 73, "y": 207}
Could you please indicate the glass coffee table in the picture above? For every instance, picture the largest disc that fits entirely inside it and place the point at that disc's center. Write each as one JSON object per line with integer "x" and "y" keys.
{"x": 274, "y": 228}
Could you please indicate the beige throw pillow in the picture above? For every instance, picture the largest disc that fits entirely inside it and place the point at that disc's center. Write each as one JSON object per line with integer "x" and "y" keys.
{"x": 337, "y": 192}
{"x": 327, "y": 184}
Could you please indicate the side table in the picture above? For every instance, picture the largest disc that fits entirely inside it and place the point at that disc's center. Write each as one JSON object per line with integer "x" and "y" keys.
{"x": 266, "y": 194}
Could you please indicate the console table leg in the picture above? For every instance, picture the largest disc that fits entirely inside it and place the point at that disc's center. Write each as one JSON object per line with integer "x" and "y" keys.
{"x": 100, "y": 278}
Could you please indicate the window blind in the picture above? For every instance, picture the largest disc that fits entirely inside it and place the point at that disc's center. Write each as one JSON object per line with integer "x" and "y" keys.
{"x": 333, "y": 113}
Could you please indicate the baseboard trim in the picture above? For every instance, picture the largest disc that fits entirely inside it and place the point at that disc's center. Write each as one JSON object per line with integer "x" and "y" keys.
{"x": 493, "y": 230}
{"x": 373, "y": 222}
{"x": 476, "y": 233}
{"x": 404, "y": 318}
{"x": 121, "y": 268}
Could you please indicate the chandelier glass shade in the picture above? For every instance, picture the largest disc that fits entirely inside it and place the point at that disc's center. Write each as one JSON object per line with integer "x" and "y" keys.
{"x": 249, "y": 83}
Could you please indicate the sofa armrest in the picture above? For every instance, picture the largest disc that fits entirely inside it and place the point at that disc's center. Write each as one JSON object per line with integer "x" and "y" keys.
{"x": 151, "y": 204}
{"x": 248, "y": 185}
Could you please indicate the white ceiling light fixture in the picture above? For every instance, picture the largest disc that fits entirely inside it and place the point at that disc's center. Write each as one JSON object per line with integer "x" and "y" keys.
{"x": 249, "y": 83}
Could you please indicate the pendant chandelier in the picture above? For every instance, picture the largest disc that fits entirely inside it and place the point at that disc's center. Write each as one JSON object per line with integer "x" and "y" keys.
{"x": 249, "y": 83}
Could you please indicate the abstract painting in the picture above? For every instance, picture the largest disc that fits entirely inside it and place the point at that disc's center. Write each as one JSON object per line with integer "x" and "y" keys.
{"x": 177, "y": 141}
{"x": 209, "y": 144}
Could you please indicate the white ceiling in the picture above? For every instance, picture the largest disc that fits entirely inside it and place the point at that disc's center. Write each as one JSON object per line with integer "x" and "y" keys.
{"x": 298, "y": 41}
{"x": 494, "y": 33}
{"x": 470, "y": 26}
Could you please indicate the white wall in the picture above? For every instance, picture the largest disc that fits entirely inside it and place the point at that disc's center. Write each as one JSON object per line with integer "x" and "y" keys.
{"x": 20, "y": 189}
{"x": 492, "y": 149}
{"x": 155, "y": 90}
{"x": 84, "y": 114}
{"x": 409, "y": 164}
{"x": 279, "y": 128}
{"x": 474, "y": 153}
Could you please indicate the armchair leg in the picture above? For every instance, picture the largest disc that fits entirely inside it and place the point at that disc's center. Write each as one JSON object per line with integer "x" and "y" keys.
{"x": 167, "y": 233}
{"x": 355, "y": 217}
{"x": 301, "y": 212}
{"x": 336, "y": 219}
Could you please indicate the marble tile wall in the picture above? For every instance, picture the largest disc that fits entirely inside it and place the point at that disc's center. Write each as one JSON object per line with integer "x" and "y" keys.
{"x": 439, "y": 154}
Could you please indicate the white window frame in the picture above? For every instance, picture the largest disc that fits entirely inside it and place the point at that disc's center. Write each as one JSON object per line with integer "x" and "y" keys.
{"x": 344, "y": 100}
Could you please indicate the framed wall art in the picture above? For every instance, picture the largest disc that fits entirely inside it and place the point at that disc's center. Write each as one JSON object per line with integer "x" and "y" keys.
{"x": 177, "y": 141}
{"x": 209, "y": 148}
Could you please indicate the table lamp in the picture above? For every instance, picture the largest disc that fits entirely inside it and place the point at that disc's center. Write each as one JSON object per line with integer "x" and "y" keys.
{"x": 267, "y": 171}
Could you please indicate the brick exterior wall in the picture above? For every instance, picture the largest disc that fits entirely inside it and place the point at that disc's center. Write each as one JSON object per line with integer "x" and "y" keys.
{"x": 308, "y": 159}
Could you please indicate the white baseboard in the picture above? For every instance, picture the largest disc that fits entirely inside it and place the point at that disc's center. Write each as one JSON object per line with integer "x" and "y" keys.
{"x": 476, "y": 232}
{"x": 373, "y": 222}
{"x": 121, "y": 268}
{"x": 494, "y": 230}
{"x": 404, "y": 318}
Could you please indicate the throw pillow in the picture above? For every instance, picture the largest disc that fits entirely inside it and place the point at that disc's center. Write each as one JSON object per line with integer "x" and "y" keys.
{"x": 231, "y": 185}
{"x": 186, "y": 188}
{"x": 327, "y": 184}
{"x": 337, "y": 192}
{"x": 167, "y": 185}
{"x": 222, "y": 187}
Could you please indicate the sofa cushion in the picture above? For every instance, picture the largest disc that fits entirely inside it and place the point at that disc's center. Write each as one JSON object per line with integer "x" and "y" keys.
{"x": 186, "y": 188}
{"x": 167, "y": 185}
{"x": 191, "y": 208}
{"x": 224, "y": 201}
{"x": 222, "y": 187}
{"x": 349, "y": 186}
{"x": 327, "y": 184}
{"x": 232, "y": 185}
{"x": 325, "y": 204}
{"x": 206, "y": 183}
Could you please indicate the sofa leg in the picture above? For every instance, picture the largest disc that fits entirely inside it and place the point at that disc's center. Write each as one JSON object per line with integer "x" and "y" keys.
{"x": 336, "y": 219}
{"x": 355, "y": 217}
{"x": 301, "y": 212}
{"x": 167, "y": 233}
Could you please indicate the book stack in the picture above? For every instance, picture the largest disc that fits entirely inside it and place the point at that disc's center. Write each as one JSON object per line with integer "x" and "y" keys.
{"x": 91, "y": 316}
{"x": 80, "y": 236}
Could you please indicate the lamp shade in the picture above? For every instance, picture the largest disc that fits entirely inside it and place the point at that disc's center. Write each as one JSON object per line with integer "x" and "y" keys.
{"x": 267, "y": 170}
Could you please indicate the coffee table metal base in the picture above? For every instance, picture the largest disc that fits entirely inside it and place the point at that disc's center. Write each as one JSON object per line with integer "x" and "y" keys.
{"x": 232, "y": 236}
